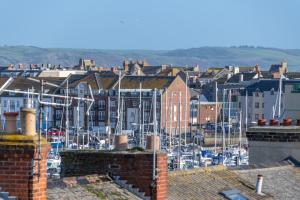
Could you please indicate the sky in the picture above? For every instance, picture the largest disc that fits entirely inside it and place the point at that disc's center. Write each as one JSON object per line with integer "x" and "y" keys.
{"x": 150, "y": 24}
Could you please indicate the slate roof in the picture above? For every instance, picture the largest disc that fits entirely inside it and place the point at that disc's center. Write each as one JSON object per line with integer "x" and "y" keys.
{"x": 266, "y": 75}
{"x": 262, "y": 85}
{"x": 208, "y": 183}
{"x": 274, "y": 68}
{"x": 292, "y": 75}
{"x": 247, "y": 76}
{"x": 151, "y": 70}
{"x": 281, "y": 182}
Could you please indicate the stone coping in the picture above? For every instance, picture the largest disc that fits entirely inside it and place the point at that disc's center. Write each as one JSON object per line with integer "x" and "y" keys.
{"x": 19, "y": 139}
{"x": 82, "y": 151}
{"x": 294, "y": 129}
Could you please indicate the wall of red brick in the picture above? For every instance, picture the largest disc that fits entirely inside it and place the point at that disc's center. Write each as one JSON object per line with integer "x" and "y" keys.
{"x": 16, "y": 171}
{"x": 207, "y": 113}
{"x": 170, "y": 99}
{"x": 135, "y": 167}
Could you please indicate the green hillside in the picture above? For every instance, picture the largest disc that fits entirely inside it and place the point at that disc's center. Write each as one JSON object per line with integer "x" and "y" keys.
{"x": 203, "y": 56}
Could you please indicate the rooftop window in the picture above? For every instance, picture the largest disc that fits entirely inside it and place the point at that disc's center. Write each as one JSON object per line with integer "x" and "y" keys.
{"x": 234, "y": 194}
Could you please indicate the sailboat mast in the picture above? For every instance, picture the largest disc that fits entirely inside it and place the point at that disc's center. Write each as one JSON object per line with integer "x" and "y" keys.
{"x": 223, "y": 128}
{"x": 246, "y": 106}
{"x": 186, "y": 106}
{"x": 67, "y": 115}
{"x": 171, "y": 121}
{"x": 179, "y": 128}
{"x": 229, "y": 115}
{"x": 216, "y": 116}
{"x": 140, "y": 116}
{"x": 119, "y": 101}
{"x": 279, "y": 97}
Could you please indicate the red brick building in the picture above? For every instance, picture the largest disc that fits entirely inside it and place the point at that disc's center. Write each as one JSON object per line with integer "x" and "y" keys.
{"x": 135, "y": 92}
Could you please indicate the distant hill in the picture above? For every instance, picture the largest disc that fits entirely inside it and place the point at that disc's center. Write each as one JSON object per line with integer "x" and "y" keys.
{"x": 203, "y": 56}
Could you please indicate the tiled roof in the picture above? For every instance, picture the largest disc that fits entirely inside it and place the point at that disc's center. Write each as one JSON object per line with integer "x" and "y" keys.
{"x": 23, "y": 84}
{"x": 82, "y": 188}
{"x": 208, "y": 183}
{"x": 281, "y": 182}
{"x": 3, "y": 80}
{"x": 148, "y": 82}
{"x": 246, "y": 69}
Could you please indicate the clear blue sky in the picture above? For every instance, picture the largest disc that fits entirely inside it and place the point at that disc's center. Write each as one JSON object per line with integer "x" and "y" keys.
{"x": 150, "y": 24}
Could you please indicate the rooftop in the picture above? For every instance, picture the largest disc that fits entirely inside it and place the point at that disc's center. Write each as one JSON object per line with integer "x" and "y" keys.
{"x": 209, "y": 183}
{"x": 281, "y": 182}
{"x": 92, "y": 187}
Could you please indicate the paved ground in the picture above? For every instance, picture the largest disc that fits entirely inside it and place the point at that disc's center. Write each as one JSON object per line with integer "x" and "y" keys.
{"x": 80, "y": 189}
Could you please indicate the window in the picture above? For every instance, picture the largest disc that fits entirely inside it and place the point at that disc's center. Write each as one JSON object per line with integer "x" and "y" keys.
{"x": 102, "y": 104}
{"x": 101, "y": 115}
{"x": 147, "y": 117}
{"x": 113, "y": 114}
{"x": 134, "y": 103}
{"x": 272, "y": 91}
{"x": 240, "y": 104}
{"x": 5, "y": 103}
{"x": 256, "y": 116}
{"x": 12, "y": 105}
{"x": 112, "y": 103}
{"x": 58, "y": 114}
{"x": 263, "y": 116}
{"x": 257, "y": 94}
{"x": 256, "y": 104}
{"x": 147, "y": 105}
{"x": 263, "y": 105}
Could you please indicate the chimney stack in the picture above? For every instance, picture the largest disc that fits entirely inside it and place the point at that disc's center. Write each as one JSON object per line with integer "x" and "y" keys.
{"x": 11, "y": 122}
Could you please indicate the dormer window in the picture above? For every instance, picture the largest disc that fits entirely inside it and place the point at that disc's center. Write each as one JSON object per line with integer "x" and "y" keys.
{"x": 272, "y": 91}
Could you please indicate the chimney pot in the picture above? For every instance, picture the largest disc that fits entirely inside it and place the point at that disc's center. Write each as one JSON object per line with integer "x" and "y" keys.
{"x": 153, "y": 142}
{"x": 121, "y": 142}
{"x": 11, "y": 122}
{"x": 28, "y": 121}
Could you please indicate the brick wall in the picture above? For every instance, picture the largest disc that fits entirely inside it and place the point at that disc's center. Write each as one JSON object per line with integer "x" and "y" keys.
{"x": 207, "y": 113}
{"x": 16, "y": 167}
{"x": 135, "y": 167}
{"x": 171, "y": 97}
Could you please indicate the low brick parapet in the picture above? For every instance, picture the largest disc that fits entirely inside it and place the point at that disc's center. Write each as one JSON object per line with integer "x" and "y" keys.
{"x": 274, "y": 134}
{"x": 134, "y": 167}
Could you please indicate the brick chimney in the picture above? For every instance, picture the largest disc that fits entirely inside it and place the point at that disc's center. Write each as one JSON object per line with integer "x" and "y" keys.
{"x": 23, "y": 159}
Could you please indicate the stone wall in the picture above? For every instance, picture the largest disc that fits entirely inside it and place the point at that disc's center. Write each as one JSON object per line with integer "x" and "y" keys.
{"x": 134, "y": 167}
